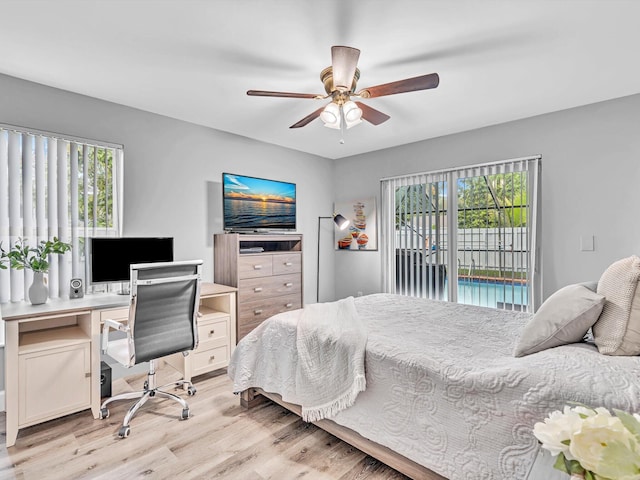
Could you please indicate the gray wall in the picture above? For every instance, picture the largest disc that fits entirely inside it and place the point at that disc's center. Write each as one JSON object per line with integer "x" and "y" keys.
{"x": 172, "y": 170}
{"x": 590, "y": 179}
{"x": 172, "y": 173}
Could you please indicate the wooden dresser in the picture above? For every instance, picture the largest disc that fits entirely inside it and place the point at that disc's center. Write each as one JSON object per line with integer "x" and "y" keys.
{"x": 266, "y": 269}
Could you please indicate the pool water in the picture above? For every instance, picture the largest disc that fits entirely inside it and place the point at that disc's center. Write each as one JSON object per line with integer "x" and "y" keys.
{"x": 492, "y": 294}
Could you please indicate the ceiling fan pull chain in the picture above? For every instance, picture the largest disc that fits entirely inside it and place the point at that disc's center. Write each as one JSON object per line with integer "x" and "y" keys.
{"x": 342, "y": 125}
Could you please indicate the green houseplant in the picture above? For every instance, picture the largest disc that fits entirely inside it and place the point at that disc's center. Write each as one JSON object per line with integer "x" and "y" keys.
{"x": 3, "y": 258}
{"x": 21, "y": 257}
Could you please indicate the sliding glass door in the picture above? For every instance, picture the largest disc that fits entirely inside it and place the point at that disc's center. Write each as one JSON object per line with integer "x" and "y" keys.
{"x": 420, "y": 241}
{"x": 467, "y": 235}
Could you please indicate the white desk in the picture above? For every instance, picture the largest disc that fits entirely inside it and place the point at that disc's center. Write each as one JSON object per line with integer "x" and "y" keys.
{"x": 52, "y": 352}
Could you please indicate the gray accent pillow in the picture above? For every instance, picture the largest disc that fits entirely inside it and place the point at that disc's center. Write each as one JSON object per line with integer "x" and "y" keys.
{"x": 593, "y": 286}
{"x": 565, "y": 317}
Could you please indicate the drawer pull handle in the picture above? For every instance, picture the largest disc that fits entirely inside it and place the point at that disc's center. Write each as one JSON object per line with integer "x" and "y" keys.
{"x": 257, "y": 289}
{"x": 87, "y": 375}
{"x": 212, "y": 357}
{"x": 257, "y": 312}
{"x": 212, "y": 332}
{"x": 289, "y": 305}
{"x": 257, "y": 267}
{"x": 287, "y": 264}
{"x": 288, "y": 284}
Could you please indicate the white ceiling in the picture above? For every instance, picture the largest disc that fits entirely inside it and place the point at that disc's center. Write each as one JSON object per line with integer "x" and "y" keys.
{"x": 194, "y": 60}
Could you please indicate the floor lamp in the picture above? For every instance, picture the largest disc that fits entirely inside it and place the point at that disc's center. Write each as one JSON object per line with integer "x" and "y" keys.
{"x": 342, "y": 223}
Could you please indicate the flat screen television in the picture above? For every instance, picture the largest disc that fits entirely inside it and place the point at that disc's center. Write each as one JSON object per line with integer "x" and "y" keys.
{"x": 257, "y": 204}
{"x": 111, "y": 257}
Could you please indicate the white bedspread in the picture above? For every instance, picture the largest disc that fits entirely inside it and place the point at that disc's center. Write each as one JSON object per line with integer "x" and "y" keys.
{"x": 330, "y": 368}
{"x": 443, "y": 387}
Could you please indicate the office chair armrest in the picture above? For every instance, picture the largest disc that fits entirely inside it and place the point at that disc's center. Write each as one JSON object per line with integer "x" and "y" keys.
{"x": 111, "y": 325}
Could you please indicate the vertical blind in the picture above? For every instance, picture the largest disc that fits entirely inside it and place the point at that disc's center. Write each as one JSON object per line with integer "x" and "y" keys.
{"x": 54, "y": 185}
{"x": 468, "y": 235}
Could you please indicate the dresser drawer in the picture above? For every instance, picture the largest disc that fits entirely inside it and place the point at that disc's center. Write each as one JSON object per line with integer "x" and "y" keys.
{"x": 252, "y": 266}
{"x": 254, "y": 289}
{"x": 207, "y": 360}
{"x": 287, "y": 263}
{"x": 251, "y": 314}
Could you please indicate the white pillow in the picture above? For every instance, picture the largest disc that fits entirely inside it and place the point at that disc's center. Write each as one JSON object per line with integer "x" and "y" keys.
{"x": 565, "y": 317}
{"x": 617, "y": 331}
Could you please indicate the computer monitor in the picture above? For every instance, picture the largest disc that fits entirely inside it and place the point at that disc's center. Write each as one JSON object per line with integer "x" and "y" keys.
{"x": 111, "y": 257}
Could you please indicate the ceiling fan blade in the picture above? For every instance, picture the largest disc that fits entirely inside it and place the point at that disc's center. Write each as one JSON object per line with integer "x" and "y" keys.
{"x": 372, "y": 115}
{"x": 424, "y": 82}
{"x": 308, "y": 119}
{"x": 264, "y": 93}
{"x": 344, "y": 61}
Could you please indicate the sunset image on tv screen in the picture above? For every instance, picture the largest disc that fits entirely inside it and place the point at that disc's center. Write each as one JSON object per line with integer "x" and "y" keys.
{"x": 258, "y": 203}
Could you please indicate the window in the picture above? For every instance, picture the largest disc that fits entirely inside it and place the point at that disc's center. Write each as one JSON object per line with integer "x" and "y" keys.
{"x": 467, "y": 235}
{"x": 54, "y": 185}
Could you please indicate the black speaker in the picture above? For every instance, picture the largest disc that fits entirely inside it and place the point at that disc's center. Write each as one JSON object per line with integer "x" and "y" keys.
{"x": 105, "y": 380}
{"x": 75, "y": 288}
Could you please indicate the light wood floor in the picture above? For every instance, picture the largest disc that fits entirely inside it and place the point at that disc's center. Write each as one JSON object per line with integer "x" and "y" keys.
{"x": 221, "y": 440}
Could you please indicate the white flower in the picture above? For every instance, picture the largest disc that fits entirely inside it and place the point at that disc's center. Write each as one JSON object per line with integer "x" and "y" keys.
{"x": 604, "y": 446}
{"x": 588, "y": 412}
{"x": 558, "y": 428}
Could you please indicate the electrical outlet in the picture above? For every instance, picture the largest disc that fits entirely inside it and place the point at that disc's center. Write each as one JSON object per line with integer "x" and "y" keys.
{"x": 359, "y": 294}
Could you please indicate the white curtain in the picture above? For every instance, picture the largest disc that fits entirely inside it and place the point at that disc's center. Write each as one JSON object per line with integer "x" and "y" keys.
{"x": 54, "y": 185}
{"x": 420, "y": 234}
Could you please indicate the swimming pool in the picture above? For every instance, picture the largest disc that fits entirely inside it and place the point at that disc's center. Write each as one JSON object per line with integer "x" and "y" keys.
{"x": 492, "y": 293}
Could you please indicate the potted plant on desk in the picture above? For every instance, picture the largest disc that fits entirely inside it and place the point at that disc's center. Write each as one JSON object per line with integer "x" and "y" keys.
{"x": 22, "y": 256}
{"x": 3, "y": 258}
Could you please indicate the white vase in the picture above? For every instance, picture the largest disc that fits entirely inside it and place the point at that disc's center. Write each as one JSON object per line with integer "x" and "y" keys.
{"x": 577, "y": 476}
{"x": 38, "y": 291}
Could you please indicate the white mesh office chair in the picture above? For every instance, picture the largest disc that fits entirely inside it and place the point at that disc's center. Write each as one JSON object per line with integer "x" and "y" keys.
{"x": 163, "y": 310}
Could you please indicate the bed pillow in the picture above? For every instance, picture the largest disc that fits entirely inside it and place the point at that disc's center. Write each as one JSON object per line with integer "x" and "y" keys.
{"x": 617, "y": 331}
{"x": 565, "y": 317}
{"x": 593, "y": 285}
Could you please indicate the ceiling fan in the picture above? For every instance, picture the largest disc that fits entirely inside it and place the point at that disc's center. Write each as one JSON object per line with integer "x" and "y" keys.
{"x": 340, "y": 81}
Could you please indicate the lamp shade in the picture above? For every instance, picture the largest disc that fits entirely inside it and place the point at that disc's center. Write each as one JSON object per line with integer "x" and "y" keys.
{"x": 331, "y": 116}
{"x": 352, "y": 114}
{"x": 341, "y": 221}
{"x": 351, "y": 111}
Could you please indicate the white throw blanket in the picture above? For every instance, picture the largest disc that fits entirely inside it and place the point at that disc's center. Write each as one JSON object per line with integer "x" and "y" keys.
{"x": 331, "y": 343}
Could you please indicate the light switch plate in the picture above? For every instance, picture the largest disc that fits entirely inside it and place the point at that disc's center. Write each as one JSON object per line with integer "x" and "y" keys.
{"x": 586, "y": 243}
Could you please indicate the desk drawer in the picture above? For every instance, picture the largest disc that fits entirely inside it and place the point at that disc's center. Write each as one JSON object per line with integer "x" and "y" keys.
{"x": 211, "y": 359}
{"x": 254, "y": 289}
{"x": 287, "y": 263}
{"x": 252, "y": 266}
{"x": 213, "y": 332}
{"x": 117, "y": 314}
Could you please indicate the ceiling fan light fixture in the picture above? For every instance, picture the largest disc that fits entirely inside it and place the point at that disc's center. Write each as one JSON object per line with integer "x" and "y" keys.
{"x": 351, "y": 112}
{"x": 331, "y": 116}
{"x": 352, "y": 124}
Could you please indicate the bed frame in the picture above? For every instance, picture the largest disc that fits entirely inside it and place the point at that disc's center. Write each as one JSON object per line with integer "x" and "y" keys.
{"x": 255, "y": 396}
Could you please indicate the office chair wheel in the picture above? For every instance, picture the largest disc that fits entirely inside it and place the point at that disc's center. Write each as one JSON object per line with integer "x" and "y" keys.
{"x": 191, "y": 391}
{"x": 104, "y": 413}
{"x": 185, "y": 414}
{"x": 124, "y": 431}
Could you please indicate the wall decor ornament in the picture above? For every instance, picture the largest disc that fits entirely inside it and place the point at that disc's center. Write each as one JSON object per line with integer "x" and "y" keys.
{"x": 362, "y": 234}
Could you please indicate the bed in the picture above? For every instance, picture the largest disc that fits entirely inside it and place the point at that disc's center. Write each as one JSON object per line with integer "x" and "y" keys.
{"x": 444, "y": 394}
